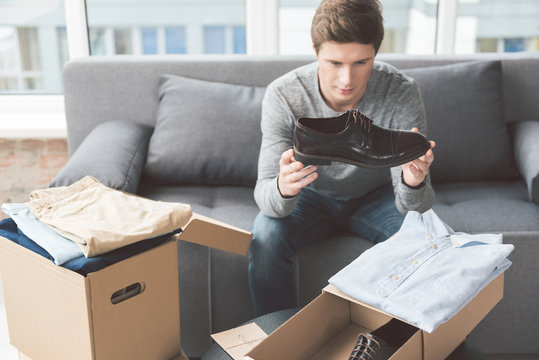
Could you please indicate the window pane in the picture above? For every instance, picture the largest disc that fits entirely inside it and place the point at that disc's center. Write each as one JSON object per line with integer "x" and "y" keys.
{"x": 8, "y": 49}
{"x": 33, "y": 46}
{"x": 122, "y": 41}
{"x": 98, "y": 41}
{"x": 410, "y": 26}
{"x": 214, "y": 39}
{"x": 240, "y": 44}
{"x": 62, "y": 44}
{"x": 8, "y": 84}
{"x": 149, "y": 40}
{"x": 29, "y": 46}
{"x": 180, "y": 26}
{"x": 175, "y": 38}
{"x": 33, "y": 83}
{"x": 497, "y": 26}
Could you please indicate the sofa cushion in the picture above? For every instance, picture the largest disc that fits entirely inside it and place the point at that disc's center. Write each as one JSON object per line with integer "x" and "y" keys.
{"x": 114, "y": 152}
{"x": 234, "y": 205}
{"x": 464, "y": 105}
{"x": 205, "y": 133}
{"x": 493, "y": 206}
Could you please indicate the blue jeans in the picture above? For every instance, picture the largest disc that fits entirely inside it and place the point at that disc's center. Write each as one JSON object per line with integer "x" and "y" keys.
{"x": 315, "y": 217}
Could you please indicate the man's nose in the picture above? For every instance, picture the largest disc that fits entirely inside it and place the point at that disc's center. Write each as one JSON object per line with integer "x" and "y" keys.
{"x": 345, "y": 76}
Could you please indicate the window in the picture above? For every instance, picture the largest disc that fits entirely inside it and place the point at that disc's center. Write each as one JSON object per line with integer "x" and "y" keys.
{"x": 166, "y": 26}
{"x": 410, "y": 26}
{"x": 149, "y": 40}
{"x": 33, "y": 46}
{"x": 34, "y": 36}
{"x": 214, "y": 39}
{"x": 175, "y": 39}
{"x": 497, "y": 26}
{"x": 122, "y": 41}
{"x": 239, "y": 40}
{"x": 98, "y": 41}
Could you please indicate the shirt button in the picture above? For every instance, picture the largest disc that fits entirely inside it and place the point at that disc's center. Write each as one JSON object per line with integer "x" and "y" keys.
{"x": 434, "y": 246}
{"x": 395, "y": 277}
{"x": 415, "y": 262}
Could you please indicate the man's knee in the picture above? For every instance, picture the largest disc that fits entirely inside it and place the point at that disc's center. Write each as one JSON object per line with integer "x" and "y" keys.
{"x": 269, "y": 235}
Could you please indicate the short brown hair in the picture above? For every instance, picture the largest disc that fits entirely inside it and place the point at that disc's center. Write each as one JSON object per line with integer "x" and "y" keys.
{"x": 346, "y": 21}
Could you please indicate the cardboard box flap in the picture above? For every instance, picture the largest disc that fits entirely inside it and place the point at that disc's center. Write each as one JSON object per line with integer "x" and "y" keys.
{"x": 206, "y": 231}
{"x": 240, "y": 340}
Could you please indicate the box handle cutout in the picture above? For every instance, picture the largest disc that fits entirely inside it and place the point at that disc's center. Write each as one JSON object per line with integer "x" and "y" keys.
{"x": 126, "y": 293}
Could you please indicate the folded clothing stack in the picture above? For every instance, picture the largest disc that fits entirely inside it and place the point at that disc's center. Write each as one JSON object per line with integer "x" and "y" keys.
{"x": 81, "y": 264}
{"x": 86, "y": 226}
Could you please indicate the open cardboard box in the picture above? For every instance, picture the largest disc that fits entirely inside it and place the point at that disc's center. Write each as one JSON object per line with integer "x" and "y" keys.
{"x": 328, "y": 328}
{"x": 54, "y": 313}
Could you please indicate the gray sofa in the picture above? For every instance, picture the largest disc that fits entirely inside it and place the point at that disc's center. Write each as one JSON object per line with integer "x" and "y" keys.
{"x": 193, "y": 137}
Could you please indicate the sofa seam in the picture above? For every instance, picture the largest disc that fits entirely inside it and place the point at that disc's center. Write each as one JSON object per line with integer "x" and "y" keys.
{"x": 130, "y": 167}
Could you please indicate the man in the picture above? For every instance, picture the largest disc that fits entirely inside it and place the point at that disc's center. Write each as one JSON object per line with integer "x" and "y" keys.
{"x": 303, "y": 204}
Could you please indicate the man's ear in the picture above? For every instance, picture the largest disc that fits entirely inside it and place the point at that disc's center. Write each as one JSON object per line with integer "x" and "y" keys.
{"x": 315, "y": 51}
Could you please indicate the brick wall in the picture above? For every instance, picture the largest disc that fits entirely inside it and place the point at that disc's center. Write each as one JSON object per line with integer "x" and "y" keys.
{"x": 27, "y": 165}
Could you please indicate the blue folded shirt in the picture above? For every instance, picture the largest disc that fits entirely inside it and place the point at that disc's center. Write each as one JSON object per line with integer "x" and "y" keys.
{"x": 59, "y": 248}
{"x": 426, "y": 272}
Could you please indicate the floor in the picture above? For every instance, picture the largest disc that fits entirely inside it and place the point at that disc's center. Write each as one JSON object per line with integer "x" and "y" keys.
{"x": 30, "y": 164}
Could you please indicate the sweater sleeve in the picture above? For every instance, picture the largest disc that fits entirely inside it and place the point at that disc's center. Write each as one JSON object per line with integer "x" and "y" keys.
{"x": 411, "y": 113}
{"x": 277, "y": 127}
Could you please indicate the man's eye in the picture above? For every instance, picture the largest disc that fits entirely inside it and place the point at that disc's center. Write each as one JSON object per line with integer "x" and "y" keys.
{"x": 335, "y": 63}
{"x": 361, "y": 62}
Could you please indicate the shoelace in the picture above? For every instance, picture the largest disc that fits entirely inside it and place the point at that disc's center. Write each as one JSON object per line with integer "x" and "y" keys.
{"x": 364, "y": 349}
{"x": 362, "y": 120}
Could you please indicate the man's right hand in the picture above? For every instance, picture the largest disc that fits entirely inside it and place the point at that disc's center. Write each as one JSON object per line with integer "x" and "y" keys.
{"x": 293, "y": 175}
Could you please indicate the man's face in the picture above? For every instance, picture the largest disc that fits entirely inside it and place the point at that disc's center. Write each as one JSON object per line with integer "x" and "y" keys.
{"x": 343, "y": 73}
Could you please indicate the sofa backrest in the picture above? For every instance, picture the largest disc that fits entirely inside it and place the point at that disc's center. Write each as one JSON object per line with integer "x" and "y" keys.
{"x": 105, "y": 88}
{"x": 99, "y": 89}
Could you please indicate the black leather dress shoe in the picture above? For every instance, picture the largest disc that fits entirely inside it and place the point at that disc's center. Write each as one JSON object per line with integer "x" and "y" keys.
{"x": 371, "y": 347}
{"x": 383, "y": 342}
{"x": 354, "y": 139}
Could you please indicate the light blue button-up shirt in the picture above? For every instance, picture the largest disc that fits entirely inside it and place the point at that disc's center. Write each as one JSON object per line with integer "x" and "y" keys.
{"x": 426, "y": 272}
{"x": 60, "y": 248}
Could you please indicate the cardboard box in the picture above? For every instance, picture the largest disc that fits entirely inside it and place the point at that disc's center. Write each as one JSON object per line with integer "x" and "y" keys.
{"x": 129, "y": 310}
{"x": 328, "y": 327}
{"x": 180, "y": 356}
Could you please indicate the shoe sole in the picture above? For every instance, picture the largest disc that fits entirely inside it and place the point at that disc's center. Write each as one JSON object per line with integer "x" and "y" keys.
{"x": 307, "y": 159}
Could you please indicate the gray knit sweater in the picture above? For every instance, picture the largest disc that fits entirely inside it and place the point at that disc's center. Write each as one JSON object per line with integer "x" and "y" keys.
{"x": 392, "y": 100}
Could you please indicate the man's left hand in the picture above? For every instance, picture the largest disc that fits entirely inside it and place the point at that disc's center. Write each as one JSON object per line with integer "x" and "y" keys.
{"x": 415, "y": 171}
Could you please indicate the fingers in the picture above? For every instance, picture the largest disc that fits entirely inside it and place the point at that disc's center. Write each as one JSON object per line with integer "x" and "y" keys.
{"x": 428, "y": 157}
{"x": 293, "y": 176}
{"x": 287, "y": 158}
{"x": 417, "y": 174}
{"x": 414, "y": 172}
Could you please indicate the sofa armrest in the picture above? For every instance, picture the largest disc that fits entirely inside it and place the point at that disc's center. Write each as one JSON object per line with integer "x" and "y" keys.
{"x": 527, "y": 155}
{"x": 114, "y": 152}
